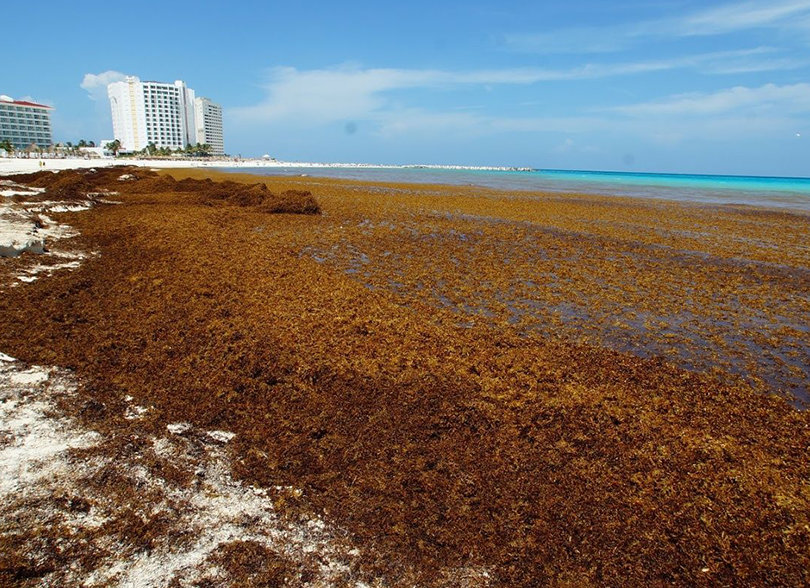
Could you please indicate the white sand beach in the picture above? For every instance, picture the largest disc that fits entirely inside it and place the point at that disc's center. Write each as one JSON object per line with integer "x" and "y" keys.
{"x": 25, "y": 165}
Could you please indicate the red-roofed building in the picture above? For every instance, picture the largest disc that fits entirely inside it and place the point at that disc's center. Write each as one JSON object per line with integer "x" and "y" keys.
{"x": 25, "y": 123}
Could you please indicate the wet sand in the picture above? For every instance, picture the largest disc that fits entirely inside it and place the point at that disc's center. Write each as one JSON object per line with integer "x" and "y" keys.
{"x": 478, "y": 388}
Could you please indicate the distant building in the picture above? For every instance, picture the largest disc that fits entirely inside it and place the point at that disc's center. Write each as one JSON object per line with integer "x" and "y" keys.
{"x": 25, "y": 123}
{"x": 164, "y": 114}
{"x": 152, "y": 112}
{"x": 208, "y": 116}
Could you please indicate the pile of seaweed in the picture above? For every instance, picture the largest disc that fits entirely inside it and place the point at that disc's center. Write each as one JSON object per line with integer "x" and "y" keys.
{"x": 77, "y": 184}
{"x": 453, "y": 456}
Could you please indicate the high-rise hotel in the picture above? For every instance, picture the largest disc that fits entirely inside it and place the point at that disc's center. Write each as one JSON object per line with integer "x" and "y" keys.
{"x": 209, "y": 124}
{"x": 25, "y": 123}
{"x": 168, "y": 115}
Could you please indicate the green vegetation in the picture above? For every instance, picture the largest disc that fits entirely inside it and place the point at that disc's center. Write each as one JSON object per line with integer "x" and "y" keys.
{"x": 152, "y": 150}
{"x": 67, "y": 148}
{"x": 114, "y": 146}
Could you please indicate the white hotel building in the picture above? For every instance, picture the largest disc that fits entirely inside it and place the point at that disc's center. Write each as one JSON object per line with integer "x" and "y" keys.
{"x": 163, "y": 114}
{"x": 209, "y": 124}
{"x": 25, "y": 123}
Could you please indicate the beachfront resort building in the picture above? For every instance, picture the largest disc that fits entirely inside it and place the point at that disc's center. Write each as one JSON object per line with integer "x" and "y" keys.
{"x": 208, "y": 115}
{"x": 165, "y": 114}
{"x": 152, "y": 112}
{"x": 25, "y": 123}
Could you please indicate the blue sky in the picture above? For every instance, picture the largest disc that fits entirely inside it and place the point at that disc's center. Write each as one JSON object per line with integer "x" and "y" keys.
{"x": 669, "y": 85}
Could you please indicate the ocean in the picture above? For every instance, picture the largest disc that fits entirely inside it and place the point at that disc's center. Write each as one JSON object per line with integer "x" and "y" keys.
{"x": 770, "y": 192}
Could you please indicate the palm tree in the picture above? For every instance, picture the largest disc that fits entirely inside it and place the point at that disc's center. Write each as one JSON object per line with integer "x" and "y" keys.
{"x": 202, "y": 150}
{"x": 6, "y": 146}
{"x": 114, "y": 146}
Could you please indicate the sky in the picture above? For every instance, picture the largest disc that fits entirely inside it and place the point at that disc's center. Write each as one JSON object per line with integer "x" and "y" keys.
{"x": 678, "y": 86}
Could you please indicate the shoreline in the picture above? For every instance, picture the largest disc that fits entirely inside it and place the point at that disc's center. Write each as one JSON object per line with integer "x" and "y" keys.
{"x": 27, "y": 165}
{"x": 775, "y": 194}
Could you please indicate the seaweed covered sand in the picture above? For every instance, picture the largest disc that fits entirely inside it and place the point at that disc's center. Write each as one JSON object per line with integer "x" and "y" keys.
{"x": 474, "y": 388}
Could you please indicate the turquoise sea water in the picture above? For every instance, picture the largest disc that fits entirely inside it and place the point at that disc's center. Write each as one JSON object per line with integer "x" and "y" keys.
{"x": 770, "y": 192}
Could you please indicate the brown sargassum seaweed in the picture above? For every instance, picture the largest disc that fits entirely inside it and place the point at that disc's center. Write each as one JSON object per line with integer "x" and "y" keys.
{"x": 459, "y": 377}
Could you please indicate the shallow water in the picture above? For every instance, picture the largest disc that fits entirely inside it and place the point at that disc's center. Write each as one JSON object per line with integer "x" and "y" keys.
{"x": 771, "y": 192}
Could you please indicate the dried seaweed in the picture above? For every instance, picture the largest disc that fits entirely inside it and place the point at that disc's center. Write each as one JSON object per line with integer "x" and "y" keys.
{"x": 457, "y": 448}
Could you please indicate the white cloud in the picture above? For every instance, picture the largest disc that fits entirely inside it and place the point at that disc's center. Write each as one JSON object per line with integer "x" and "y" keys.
{"x": 740, "y": 16}
{"x": 415, "y": 121}
{"x": 789, "y": 15}
{"x": 349, "y": 92}
{"x": 741, "y": 66}
{"x": 571, "y": 146}
{"x": 770, "y": 98}
{"x": 574, "y": 40}
{"x": 736, "y": 114}
{"x": 577, "y": 132}
{"x": 565, "y": 146}
{"x": 381, "y": 101}
{"x": 96, "y": 84}
{"x": 324, "y": 95}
